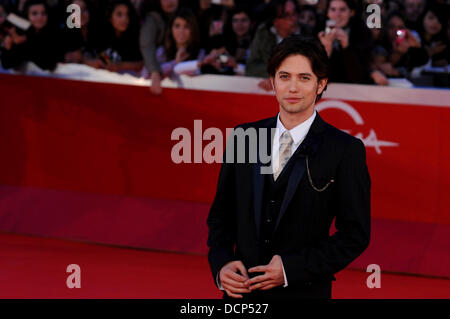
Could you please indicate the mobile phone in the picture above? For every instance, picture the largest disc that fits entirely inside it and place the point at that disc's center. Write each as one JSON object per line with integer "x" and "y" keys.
{"x": 218, "y": 26}
{"x": 400, "y": 35}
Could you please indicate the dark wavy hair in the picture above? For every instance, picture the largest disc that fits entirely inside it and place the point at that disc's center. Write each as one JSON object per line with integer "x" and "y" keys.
{"x": 133, "y": 26}
{"x": 230, "y": 38}
{"x": 30, "y": 3}
{"x": 441, "y": 11}
{"x": 356, "y": 19}
{"x": 275, "y": 9}
{"x": 170, "y": 46}
{"x": 309, "y": 47}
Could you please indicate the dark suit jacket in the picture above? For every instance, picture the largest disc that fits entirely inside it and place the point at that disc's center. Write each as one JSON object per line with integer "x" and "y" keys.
{"x": 310, "y": 255}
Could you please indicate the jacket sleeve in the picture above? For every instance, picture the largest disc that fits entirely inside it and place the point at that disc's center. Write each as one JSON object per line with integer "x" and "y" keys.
{"x": 256, "y": 65}
{"x": 147, "y": 41}
{"x": 327, "y": 257}
{"x": 221, "y": 219}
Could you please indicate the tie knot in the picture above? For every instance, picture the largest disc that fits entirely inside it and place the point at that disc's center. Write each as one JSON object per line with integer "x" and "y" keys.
{"x": 286, "y": 138}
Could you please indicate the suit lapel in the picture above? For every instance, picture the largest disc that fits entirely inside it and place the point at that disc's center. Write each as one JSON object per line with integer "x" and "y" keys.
{"x": 258, "y": 177}
{"x": 307, "y": 148}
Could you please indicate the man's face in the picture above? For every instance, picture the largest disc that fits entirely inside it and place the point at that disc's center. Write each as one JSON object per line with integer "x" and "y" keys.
{"x": 296, "y": 85}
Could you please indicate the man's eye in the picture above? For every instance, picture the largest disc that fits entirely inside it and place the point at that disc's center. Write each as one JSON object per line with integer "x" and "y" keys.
{"x": 305, "y": 78}
{"x": 283, "y": 76}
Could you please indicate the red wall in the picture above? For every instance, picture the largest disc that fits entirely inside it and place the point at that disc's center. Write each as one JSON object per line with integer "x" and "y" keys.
{"x": 115, "y": 140}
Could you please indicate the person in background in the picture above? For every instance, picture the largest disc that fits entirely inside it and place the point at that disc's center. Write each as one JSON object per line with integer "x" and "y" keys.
{"x": 433, "y": 34}
{"x": 119, "y": 44}
{"x": 348, "y": 43}
{"x": 218, "y": 60}
{"x": 139, "y": 6}
{"x": 238, "y": 33}
{"x": 204, "y": 12}
{"x": 282, "y": 22}
{"x": 152, "y": 35}
{"x": 413, "y": 9}
{"x": 39, "y": 43}
{"x": 404, "y": 51}
{"x": 79, "y": 43}
{"x": 181, "y": 44}
{"x": 3, "y": 14}
{"x": 378, "y": 57}
{"x": 212, "y": 18}
{"x": 309, "y": 20}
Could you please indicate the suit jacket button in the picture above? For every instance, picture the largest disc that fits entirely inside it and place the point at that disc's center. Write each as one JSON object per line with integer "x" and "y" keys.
{"x": 266, "y": 241}
{"x": 268, "y": 220}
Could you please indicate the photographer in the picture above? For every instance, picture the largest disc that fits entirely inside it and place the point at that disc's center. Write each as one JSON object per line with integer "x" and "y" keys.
{"x": 219, "y": 61}
{"x": 348, "y": 43}
{"x": 403, "y": 49}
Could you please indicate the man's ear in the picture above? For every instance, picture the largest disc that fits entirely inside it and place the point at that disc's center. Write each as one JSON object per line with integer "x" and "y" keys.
{"x": 321, "y": 85}
{"x": 271, "y": 82}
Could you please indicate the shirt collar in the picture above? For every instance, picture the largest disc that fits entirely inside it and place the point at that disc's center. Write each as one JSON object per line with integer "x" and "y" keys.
{"x": 299, "y": 132}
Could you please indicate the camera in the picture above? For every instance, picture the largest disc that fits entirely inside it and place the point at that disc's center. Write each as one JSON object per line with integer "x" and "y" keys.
{"x": 223, "y": 58}
{"x": 330, "y": 25}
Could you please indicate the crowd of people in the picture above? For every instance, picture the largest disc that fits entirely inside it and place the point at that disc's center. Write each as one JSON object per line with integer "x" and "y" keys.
{"x": 166, "y": 38}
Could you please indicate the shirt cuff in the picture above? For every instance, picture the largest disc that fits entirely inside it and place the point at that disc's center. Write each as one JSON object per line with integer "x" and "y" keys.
{"x": 218, "y": 282}
{"x": 284, "y": 275}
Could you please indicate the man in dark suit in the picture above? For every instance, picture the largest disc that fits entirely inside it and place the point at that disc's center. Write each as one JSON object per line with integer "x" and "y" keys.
{"x": 269, "y": 223}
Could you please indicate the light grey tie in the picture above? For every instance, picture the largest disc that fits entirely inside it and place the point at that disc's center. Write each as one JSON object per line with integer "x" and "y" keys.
{"x": 286, "y": 142}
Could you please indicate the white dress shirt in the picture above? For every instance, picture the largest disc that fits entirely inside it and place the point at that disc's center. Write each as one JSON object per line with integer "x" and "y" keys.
{"x": 298, "y": 134}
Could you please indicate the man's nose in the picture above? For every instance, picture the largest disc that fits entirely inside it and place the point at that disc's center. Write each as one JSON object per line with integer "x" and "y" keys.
{"x": 293, "y": 87}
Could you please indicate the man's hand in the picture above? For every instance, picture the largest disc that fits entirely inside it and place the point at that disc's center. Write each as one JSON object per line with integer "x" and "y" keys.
{"x": 272, "y": 277}
{"x": 232, "y": 281}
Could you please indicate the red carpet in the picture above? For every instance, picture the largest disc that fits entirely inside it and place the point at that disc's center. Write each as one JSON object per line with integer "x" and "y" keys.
{"x": 35, "y": 267}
